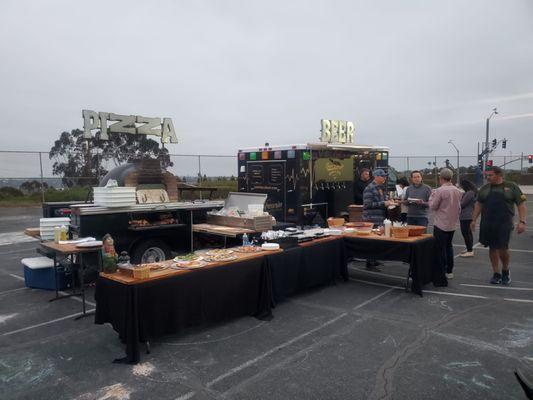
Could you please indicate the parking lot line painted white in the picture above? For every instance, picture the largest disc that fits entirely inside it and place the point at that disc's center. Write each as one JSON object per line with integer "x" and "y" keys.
{"x": 12, "y": 290}
{"x": 20, "y": 278}
{"x": 75, "y": 298}
{"x": 186, "y": 396}
{"x": 496, "y": 287}
{"x": 45, "y": 323}
{"x": 377, "y": 284}
{"x": 376, "y": 273}
{"x": 472, "y": 296}
{"x": 518, "y": 300}
{"x": 248, "y": 363}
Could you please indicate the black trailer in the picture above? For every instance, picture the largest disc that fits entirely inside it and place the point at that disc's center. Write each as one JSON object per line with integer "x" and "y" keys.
{"x": 307, "y": 183}
{"x": 150, "y": 242}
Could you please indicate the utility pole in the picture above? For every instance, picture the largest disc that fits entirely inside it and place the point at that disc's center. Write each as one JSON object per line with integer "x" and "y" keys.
{"x": 487, "y": 150}
{"x": 457, "y": 165}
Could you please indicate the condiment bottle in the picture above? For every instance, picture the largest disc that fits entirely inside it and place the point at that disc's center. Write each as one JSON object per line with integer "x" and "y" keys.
{"x": 64, "y": 233}
{"x": 387, "y": 223}
{"x": 57, "y": 234}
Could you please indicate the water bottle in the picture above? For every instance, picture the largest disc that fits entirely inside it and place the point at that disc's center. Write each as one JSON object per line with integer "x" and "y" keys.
{"x": 387, "y": 223}
{"x": 245, "y": 241}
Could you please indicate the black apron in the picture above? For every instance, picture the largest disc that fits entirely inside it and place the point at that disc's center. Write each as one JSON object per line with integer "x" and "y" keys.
{"x": 496, "y": 221}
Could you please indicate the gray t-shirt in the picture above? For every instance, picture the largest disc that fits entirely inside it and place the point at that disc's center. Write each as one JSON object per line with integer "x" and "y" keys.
{"x": 418, "y": 192}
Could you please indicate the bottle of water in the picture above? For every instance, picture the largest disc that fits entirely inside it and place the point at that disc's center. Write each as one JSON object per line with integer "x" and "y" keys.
{"x": 245, "y": 241}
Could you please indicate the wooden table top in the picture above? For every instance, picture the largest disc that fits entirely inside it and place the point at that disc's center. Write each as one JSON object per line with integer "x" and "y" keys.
{"x": 69, "y": 248}
{"x": 221, "y": 230}
{"x": 166, "y": 273}
{"x": 373, "y": 236}
{"x": 33, "y": 232}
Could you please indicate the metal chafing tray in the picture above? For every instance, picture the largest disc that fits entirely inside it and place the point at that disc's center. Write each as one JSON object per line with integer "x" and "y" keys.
{"x": 241, "y": 202}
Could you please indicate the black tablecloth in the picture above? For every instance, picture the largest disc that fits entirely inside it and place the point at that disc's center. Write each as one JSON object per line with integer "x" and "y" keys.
{"x": 301, "y": 268}
{"x": 420, "y": 255}
{"x": 147, "y": 310}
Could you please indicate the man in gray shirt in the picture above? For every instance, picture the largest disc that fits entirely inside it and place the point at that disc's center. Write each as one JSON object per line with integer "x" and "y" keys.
{"x": 417, "y": 197}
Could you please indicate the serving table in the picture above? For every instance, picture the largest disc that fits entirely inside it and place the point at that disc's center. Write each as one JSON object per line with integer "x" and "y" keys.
{"x": 171, "y": 300}
{"x": 66, "y": 250}
{"x": 417, "y": 251}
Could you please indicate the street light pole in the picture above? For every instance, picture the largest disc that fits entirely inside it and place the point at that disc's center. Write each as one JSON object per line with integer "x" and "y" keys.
{"x": 457, "y": 165}
{"x": 494, "y": 112}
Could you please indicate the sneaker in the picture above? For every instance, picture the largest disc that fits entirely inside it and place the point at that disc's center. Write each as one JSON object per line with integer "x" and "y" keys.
{"x": 464, "y": 251}
{"x": 506, "y": 277}
{"x": 467, "y": 254}
{"x": 496, "y": 279}
{"x": 449, "y": 275}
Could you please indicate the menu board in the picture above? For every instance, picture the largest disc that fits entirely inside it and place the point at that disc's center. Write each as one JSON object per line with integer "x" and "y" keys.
{"x": 276, "y": 174}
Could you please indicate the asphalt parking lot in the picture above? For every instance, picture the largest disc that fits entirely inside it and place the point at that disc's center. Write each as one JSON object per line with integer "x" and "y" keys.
{"x": 364, "y": 339}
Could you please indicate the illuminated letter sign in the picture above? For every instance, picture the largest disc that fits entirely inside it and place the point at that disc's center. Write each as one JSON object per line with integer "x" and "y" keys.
{"x": 130, "y": 124}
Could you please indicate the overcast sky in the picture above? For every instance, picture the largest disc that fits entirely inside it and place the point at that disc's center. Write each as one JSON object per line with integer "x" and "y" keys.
{"x": 232, "y": 74}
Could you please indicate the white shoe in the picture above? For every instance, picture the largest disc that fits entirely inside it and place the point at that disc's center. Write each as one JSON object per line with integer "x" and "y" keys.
{"x": 464, "y": 251}
{"x": 467, "y": 254}
{"x": 449, "y": 276}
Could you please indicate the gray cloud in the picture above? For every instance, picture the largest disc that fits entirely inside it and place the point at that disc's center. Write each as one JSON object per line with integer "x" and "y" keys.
{"x": 236, "y": 73}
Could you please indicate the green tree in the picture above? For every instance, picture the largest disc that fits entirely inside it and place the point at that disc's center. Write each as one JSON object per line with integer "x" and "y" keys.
{"x": 81, "y": 161}
{"x": 34, "y": 186}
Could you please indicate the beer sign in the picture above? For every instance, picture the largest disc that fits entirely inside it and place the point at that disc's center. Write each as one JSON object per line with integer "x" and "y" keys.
{"x": 336, "y": 131}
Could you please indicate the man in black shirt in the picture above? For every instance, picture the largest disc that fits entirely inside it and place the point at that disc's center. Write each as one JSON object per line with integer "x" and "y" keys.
{"x": 360, "y": 185}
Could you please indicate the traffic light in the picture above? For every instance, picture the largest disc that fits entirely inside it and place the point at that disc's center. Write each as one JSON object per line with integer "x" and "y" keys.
{"x": 504, "y": 143}
{"x": 480, "y": 161}
{"x": 489, "y": 163}
{"x": 494, "y": 142}
{"x": 530, "y": 158}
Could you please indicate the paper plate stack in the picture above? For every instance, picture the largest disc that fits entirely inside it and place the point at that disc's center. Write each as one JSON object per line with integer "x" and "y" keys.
{"x": 46, "y": 226}
{"x": 118, "y": 196}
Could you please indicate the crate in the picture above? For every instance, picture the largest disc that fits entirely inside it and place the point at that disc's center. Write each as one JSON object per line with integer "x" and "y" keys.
{"x": 243, "y": 202}
{"x": 39, "y": 274}
{"x": 356, "y": 212}
{"x": 259, "y": 224}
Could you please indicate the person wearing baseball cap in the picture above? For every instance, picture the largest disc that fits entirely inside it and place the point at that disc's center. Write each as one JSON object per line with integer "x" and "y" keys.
{"x": 375, "y": 203}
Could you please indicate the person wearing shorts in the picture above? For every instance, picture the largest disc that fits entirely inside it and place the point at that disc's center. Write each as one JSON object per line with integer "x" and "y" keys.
{"x": 496, "y": 203}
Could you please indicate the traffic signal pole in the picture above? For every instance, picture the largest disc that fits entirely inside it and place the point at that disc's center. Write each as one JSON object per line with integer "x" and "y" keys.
{"x": 486, "y": 158}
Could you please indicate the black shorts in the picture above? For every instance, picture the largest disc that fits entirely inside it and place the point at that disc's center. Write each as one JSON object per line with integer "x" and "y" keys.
{"x": 495, "y": 235}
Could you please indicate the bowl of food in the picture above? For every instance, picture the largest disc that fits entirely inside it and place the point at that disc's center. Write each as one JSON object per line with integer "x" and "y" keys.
{"x": 335, "y": 222}
{"x": 363, "y": 231}
{"x": 416, "y": 230}
{"x": 359, "y": 224}
{"x": 400, "y": 232}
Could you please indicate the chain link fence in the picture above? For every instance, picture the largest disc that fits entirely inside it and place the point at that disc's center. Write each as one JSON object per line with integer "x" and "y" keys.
{"x": 34, "y": 169}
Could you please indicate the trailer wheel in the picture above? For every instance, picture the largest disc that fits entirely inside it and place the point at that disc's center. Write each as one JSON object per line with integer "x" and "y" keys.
{"x": 149, "y": 251}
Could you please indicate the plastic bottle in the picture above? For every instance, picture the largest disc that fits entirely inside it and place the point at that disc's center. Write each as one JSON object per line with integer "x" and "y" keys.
{"x": 245, "y": 241}
{"x": 387, "y": 225}
{"x": 57, "y": 234}
{"x": 64, "y": 233}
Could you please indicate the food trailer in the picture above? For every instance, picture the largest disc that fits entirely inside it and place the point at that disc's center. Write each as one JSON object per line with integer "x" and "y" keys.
{"x": 307, "y": 183}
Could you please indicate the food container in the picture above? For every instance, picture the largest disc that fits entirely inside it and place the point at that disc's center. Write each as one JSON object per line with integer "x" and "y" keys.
{"x": 416, "y": 230}
{"x": 363, "y": 231}
{"x": 400, "y": 232}
{"x": 270, "y": 246}
{"x": 359, "y": 224}
{"x": 141, "y": 272}
{"x": 335, "y": 222}
{"x": 241, "y": 201}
